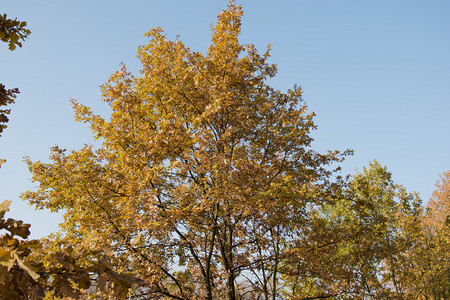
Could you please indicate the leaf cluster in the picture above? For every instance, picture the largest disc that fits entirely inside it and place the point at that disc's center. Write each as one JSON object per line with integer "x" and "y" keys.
{"x": 6, "y": 97}
{"x": 13, "y": 31}
{"x": 18, "y": 278}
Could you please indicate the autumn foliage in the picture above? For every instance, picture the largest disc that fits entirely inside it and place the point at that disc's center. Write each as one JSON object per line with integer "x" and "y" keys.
{"x": 206, "y": 186}
{"x": 12, "y": 32}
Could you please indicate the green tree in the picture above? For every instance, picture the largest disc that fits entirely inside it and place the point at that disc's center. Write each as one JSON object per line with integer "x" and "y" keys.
{"x": 205, "y": 178}
{"x": 354, "y": 242}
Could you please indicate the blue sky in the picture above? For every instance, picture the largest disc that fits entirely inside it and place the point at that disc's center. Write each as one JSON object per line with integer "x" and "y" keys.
{"x": 376, "y": 73}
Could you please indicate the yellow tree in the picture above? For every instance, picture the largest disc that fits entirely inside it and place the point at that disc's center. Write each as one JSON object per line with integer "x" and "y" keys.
{"x": 437, "y": 228}
{"x": 204, "y": 179}
{"x": 439, "y": 204}
{"x": 425, "y": 271}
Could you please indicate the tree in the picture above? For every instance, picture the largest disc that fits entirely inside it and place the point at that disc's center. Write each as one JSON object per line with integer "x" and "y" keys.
{"x": 437, "y": 233}
{"x": 17, "y": 277}
{"x": 32, "y": 269}
{"x": 439, "y": 204}
{"x": 205, "y": 178}
{"x": 386, "y": 214}
{"x": 355, "y": 241}
{"x": 425, "y": 269}
{"x": 11, "y": 32}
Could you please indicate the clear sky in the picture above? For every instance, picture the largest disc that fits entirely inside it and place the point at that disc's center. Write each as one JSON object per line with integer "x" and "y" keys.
{"x": 377, "y": 74}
